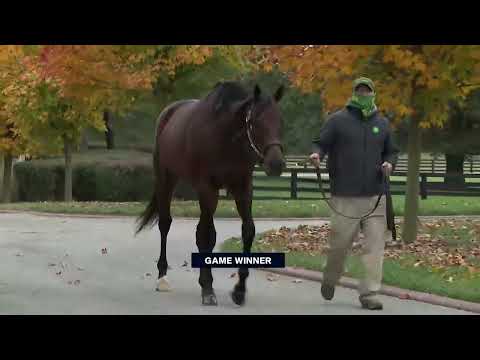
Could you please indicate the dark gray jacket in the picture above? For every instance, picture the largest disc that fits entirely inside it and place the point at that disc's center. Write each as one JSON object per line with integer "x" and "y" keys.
{"x": 356, "y": 149}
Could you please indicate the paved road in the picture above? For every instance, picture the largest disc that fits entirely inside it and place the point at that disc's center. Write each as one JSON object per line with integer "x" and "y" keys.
{"x": 54, "y": 265}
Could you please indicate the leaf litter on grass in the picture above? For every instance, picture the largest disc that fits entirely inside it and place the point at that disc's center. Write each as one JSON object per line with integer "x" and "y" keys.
{"x": 440, "y": 244}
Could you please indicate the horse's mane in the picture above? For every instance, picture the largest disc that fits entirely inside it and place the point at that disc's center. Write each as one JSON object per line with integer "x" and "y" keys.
{"x": 226, "y": 93}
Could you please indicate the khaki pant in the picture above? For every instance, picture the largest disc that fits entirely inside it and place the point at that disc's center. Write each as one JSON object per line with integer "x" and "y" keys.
{"x": 343, "y": 233}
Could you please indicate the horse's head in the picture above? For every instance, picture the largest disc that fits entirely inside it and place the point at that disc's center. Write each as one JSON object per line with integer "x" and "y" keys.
{"x": 262, "y": 121}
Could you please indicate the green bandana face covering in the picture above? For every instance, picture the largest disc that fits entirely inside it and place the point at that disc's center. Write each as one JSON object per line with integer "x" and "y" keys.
{"x": 366, "y": 103}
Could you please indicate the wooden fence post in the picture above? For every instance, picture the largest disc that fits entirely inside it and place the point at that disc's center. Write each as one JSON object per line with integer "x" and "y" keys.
{"x": 293, "y": 184}
{"x": 423, "y": 186}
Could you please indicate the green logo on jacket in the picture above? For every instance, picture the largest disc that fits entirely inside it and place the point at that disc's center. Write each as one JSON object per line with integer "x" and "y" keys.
{"x": 375, "y": 130}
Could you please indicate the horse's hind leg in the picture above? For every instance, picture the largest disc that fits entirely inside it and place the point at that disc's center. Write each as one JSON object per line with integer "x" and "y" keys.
{"x": 164, "y": 191}
{"x": 206, "y": 239}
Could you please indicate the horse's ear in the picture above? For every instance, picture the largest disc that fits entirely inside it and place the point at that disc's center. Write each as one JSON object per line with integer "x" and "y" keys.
{"x": 256, "y": 93}
{"x": 279, "y": 93}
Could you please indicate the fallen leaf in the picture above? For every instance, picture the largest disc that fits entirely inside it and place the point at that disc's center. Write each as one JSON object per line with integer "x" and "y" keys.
{"x": 19, "y": 254}
{"x": 272, "y": 277}
{"x": 52, "y": 264}
{"x": 148, "y": 274}
{"x": 104, "y": 251}
{"x": 58, "y": 273}
{"x": 185, "y": 263}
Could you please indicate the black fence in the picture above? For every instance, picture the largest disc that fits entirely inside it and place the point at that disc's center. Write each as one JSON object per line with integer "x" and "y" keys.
{"x": 434, "y": 165}
{"x": 299, "y": 181}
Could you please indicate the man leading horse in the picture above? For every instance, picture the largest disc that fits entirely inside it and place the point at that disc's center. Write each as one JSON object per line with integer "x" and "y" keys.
{"x": 359, "y": 145}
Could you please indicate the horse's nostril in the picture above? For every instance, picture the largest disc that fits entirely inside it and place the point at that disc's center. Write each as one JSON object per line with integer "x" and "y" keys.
{"x": 278, "y": 164}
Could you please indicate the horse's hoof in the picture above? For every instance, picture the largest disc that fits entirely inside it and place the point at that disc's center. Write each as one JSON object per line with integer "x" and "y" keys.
{"x": 209, "y": 300}
{"x": 163, "y": 285}
{"x": 238, "y": 297}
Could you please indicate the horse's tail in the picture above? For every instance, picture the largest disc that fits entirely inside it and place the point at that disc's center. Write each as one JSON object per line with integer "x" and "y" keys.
{"x": 149, "y": 216}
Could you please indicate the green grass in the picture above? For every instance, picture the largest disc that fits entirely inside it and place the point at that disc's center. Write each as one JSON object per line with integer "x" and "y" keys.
{"x": 395, "y": 273}
{"x": 226, "y": 208}
{"x": 458, "y": 237}
{"x": 438, "y": 205}
{"x": 434, "y": 205}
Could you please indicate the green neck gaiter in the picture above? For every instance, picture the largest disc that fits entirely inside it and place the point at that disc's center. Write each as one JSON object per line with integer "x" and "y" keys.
{"x": 366, "y": 103}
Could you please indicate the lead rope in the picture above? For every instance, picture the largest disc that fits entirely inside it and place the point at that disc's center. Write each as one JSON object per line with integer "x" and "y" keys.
{"x": 327, "y": 200}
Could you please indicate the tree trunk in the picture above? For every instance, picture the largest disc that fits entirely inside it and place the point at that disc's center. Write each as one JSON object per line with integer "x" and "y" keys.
{"x": 67, "y": 148}
{"x": 410, "y": 226}
{"x": 7, "y": 178}
{"x": 1, "y": 176}
{"x": 84, "y": 143}
{"x": 454, "y": 176}
{"x": 109, "y": 135}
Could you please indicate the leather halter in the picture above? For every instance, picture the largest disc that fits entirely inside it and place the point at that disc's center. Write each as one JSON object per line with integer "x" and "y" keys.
{"x": 249, "y": 128}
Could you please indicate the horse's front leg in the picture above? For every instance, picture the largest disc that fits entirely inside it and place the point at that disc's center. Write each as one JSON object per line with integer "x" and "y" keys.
{"x": 206, "y": 239}
{"x": 243, "y": 200}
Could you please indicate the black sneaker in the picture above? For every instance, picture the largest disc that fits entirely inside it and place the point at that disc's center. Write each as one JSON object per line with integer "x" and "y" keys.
{"x": 328, "y": 291}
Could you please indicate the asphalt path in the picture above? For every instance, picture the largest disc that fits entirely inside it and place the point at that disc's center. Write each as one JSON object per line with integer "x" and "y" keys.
{"x": 55, "y": 265}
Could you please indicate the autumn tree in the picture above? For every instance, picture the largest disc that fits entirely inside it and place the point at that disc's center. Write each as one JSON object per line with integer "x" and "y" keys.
{"x": 9, "y": 146}
{"x": 225, "y": 62}
{"x": 63, "y": 89}
{"x": 189, "y": 80}
{"x": 457, "y": 139}
{"x": 415, "y": 84}
{"x": 12, "y": 142}
{"x": 50, "y": 106}
{"x": 163, "y": 62}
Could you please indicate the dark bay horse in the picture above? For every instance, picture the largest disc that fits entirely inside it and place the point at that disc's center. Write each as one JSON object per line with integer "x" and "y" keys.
{"x": 214, "y": 143}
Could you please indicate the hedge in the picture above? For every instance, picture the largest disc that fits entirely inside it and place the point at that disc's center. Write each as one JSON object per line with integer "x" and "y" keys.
{"x": 120, "y": 181}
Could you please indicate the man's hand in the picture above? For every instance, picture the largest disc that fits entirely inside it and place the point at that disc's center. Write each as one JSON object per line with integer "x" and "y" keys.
{"x": 387, "y": 168}
{"x": 315, "y": 159}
